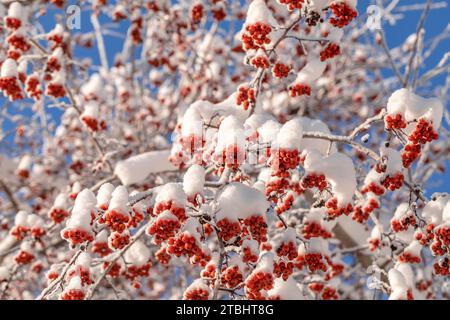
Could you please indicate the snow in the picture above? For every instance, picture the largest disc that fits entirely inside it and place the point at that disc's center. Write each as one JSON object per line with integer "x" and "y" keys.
{"x": 57, "y": 30}
{"x": 91, "y": 110}
{"x": 81, "y": 212}
{"x": 286, "y": 290}
{"x": 265, "y": 263}
{"x": 138, "y": 254}
{"x": 398, "y": 285}
{"x": 446, "y": 213}
{"x": 198, "y": 284}
{"x": 413, "y": 107}
{"x": 231, "y": 131}
{"x": 402, "y": 210}
{"x": 104, "y": 194}
{"x": 311, "y": 71}
{"x": 290, "y": 136}
{"x": 258, "y": 12}
{"x": 286, "y": 236}
{"x": 16, "y": 10}
{"x": 192, "y": 124}
{"x": 74, "y": 284}
{"x": 136, "y": 168}
{"x": 34, "y": 220}
{"x": 338, "y": 169}
{"x": 21, "y": 218}
{"x": 194, "y": 180}
{"x": 414, "y": 248}
{"x": 172, "y": 192}
{"x": 25, "y": 163}
{"x": 242, "y": 200}
{"x": 255, "y": 121}
{"x": 94, "y": 86}
{"x": 318, "y": 245}
{"x": 268, "y": 131}
{"x": 119, "y": 200}
{"x": 4, "y": 273}
{"x": 318, "y": 5}
{"x": 102, "y": 236}
{"x": 394, "y": 160}
{"x": 84, "y": 260}
{"x": 432, "y": 212}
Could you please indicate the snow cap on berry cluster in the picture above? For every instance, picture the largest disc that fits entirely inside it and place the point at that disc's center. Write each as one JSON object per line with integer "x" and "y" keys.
{"x": 311, "y": 71}
{"x": 9, "y": 69}
{"x": 81, "y": 212}
{"x": 172, "y": 192}
{"x": 245, "y": 201}
{"x": 61, "y": 201}
{"x": 194, "y": 180}
{"x": 286, "y": 290}
{"x": 138, "y": 254}
{"x": 231, "y": 131}
{"x": 413, "y": 107}
{"x": 290, "y": 136}
{"x": 338, "y": 169}
{"x": 433, "y": 210}
{"x": 259, "y": 12}
{"x": 119, "y": 200}
{"x": 104, "y": 194}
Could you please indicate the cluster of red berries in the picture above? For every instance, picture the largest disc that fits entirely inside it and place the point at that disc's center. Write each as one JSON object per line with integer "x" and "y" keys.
{"x": 184, "y": 244}
{"x": 133, "y": 272}
{"x": 119, "y": 240}
{"x": 23, "y": 257}
{"x": 58, "y": 215}
{"x": 11, "y": 88}
{"x": 101, "y": 248}
{"x": 73, "y": 294}
{"x": 90, "y": 122}
{"x": 423, "y": 133}
{"x": 219, "y": 14}
{"x": 288, "y": 250}
{"x": 256, "y": 282}
{"x": 37, "y": 232}
{"x": 162, "y": 256}
{"x": 256, "y": 35}
{"x": 135, "y": 219}
{"x": 443, "y": 234}
{"x": 410, "y": 153}
{"x": 276, "y": 187}
{"x": 284, "y": 203}
{"x": 248, "y": 255}
{"x": 18, "y": 42}
{"x": 282, "y": 160}
{"x": 374, "y": 244}
{"x": 403, "y": 223}
{"x": 329, "y": 293}
{"x": 313, "y": 180}
{"x": 332, "y": 50}
{"x": 257, "y": 227}
{"x": 442, "y": 268}
{"x": 393, "y": 182}
{"x": 228, "y": 229}
{"x": 425, "y": 238}
{"x": 283, "y": 269}
{"x": 299, "y": 90}
{"x": 336, "y": 269}
{"x": 115, "y": 220}
{"x": 162, "y": 229}
{"x": 114, "y": 272}
{"x": 77, "y": 236}
{"x": 408, "y": 258}
{"x": 53, "y": 64}
{"x": 83, "y": 273}
{"x": 292, "y": 4}
{"x": 245, "y": 97}
{"x": 209, "y": 272}
{"x": 13, "y": 23}
{"x": 280, "y": 70}
{"x": 170, "y": 205}
{"x": 334, "y": 211}
{"x": 231, "y": 277}
{"x": 196, "y": 294}
{"x": 19, "y": 232}
{"x": 313, "y": 261}
{"x": 312, "y": 229}
{"x": 136, "y": 28}
{"x": 192, "y": 143}
{"x": 197, "y": 13}
{"x": 394, "y": 122}
{"x": 373, "y": 187}
{"x": 437, "y": 248}
{"x": 55, "y": 90}
{"x": 361, "y": 214}
{"x": 260, "y": 62}
{"x": 343, "y": 14}
{"x": 33, "y": 87}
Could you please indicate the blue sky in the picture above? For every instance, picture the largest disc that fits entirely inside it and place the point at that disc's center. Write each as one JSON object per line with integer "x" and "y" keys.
{"x": 436, "y": 22}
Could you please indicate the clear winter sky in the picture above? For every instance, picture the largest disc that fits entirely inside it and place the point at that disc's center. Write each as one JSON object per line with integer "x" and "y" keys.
{"x": 436, "y": 22}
